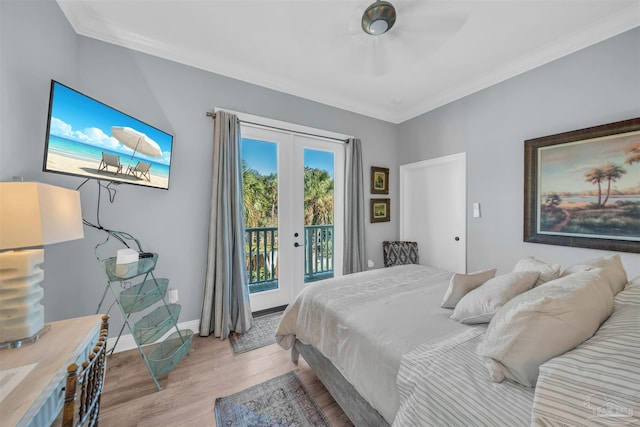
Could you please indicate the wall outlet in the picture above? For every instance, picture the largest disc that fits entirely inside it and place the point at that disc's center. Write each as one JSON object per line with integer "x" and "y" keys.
{"x": 173, "y": 296}
{"x": 370, "y": 263}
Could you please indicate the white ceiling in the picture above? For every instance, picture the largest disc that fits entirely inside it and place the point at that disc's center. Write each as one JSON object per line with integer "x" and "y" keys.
{"x": 437, "y": 52}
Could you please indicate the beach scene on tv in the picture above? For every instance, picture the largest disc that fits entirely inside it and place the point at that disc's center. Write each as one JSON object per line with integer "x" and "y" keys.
{"x": 91, "y": 139}
{"x": 591, "y": 188}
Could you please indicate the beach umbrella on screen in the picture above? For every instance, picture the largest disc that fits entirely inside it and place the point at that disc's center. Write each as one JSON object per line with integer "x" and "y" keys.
{"x": 137, "y": 141}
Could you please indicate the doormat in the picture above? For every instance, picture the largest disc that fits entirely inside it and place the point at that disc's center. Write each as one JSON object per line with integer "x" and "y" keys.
{"x": 262, "y": 333}
{"x": 281, "y": 401}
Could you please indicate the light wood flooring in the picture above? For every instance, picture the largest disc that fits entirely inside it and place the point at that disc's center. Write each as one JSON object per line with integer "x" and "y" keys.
{"x": 189, "y": 391}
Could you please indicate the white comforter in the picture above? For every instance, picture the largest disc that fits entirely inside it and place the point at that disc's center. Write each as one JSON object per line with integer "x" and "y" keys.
{"x": 365, "y": 322}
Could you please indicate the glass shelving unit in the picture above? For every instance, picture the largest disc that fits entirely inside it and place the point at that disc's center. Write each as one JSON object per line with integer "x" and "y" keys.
{"x": 134, "y": 300}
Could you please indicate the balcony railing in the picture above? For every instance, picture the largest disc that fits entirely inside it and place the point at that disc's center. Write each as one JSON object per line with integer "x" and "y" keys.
{"x": 262, "y": 255}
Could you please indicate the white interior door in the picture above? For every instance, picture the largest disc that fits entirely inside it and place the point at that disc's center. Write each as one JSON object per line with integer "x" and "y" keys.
{"x": 433, "y": 206}
{"x": 291, "y": 249}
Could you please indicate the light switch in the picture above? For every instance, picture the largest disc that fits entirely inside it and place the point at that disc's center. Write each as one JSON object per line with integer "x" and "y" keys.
{"x": 476, "y": 210}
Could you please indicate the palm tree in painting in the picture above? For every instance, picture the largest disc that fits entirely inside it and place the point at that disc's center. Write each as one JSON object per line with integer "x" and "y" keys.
{"x": 612, "y": 172}
{"x": 596, "y": 176}
{"x": 553, "y": 200}
{"x": 633, "y": 154}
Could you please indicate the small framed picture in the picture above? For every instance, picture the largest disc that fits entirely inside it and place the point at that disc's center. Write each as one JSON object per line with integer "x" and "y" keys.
{"x": 379, "y": 180}
{"x": 380, "y": 210}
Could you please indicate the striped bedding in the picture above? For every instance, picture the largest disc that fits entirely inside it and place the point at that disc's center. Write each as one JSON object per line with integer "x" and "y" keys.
{"x": 445, "y": 383}
{"x": 597, "y": 383}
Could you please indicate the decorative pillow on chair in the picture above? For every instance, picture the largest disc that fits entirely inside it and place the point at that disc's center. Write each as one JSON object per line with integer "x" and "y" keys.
{"x": 479, "y": 305}
{"x": 612, "y": 269}
{"x": 543, "y": 323}
{"x": 547, "y": 271}
{"x": 462, "y": 284}
{"x": 400, "y": 253}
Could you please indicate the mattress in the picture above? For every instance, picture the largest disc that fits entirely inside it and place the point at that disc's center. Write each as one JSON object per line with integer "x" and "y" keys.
{"x": 364, "y": 323}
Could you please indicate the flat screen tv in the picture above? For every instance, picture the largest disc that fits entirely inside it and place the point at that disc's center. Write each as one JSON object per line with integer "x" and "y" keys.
{"x": 89, "y": 139}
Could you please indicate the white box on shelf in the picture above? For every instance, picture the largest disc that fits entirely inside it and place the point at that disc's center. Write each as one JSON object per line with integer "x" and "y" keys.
{"x": 126, "y": 256}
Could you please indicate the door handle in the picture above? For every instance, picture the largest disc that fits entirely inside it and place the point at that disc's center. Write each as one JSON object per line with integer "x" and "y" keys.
{"x": 296, "y": 244}
{"x": 457, "y": 239}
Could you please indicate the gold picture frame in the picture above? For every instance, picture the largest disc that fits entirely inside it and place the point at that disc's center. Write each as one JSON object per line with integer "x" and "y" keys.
{"x": 380, "y": 210}
{"x": 379, "y": 180}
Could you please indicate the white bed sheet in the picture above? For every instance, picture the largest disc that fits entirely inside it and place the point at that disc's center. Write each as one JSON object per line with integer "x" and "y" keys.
{"x": 365, "y": 322}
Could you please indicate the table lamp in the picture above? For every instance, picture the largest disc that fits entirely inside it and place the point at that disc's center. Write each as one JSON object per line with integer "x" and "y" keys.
{"x": 31, "y": 215}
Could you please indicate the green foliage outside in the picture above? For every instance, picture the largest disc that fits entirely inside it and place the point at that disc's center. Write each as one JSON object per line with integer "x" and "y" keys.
{"x": 260, "y": 196}
{"x": 260, "y": 199}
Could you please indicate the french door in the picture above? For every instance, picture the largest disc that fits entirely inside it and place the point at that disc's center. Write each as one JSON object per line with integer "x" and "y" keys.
{"x": 293, "y": 191}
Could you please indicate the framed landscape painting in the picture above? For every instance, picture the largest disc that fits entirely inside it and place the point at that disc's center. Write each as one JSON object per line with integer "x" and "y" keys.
{"x": 380, "y": 210}
{"x": 379, "y": 180}
{"x": 582, "y": 188}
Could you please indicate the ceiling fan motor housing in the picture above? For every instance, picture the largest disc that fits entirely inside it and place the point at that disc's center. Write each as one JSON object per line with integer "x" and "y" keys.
{"x": 378, "y": 18}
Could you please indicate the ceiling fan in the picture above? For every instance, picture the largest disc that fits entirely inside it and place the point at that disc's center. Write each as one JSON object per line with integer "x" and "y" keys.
{"x": 419, "y": 28}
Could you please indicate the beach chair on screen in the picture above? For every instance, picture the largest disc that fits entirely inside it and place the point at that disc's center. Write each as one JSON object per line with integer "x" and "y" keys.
{"x": 110, "y": 160}
{"x": 141, "y": 170}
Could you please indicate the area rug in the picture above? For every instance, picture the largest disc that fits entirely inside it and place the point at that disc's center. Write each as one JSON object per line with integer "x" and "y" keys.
{"x": 281, "y": 401}
{"x": 262, "y": 332}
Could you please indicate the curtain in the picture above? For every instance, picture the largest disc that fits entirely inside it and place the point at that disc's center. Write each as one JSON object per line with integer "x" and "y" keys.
{"x": 226, "y": 304}
{"x": 354, "y": 250}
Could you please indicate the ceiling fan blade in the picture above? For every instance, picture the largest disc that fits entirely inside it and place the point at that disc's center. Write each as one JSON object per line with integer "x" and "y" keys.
{"x": 378, "y": 57}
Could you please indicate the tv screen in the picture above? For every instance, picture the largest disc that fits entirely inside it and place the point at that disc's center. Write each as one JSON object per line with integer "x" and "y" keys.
{"x": 89, "y": 139}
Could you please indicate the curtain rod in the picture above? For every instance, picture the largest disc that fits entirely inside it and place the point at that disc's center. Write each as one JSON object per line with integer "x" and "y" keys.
{"x": 346, "y": 141}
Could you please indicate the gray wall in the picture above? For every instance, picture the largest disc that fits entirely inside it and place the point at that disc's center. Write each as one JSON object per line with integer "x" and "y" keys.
{"x": 595, "y": 86}
{"x": 598, "y": 85}
{"x": 37, "y": 45}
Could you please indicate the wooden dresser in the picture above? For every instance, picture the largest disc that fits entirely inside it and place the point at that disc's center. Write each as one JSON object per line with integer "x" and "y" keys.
{"x": 39, "y": 369}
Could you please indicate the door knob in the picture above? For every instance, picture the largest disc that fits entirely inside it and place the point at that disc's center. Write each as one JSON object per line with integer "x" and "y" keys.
{"x": 295, "y": 235}
{"x": 296, "y": 244}
{"x": 457, "y": 239}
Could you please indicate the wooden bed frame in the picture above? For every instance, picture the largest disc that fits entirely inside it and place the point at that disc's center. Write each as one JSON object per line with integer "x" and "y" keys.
{"x": 355, "y": 406}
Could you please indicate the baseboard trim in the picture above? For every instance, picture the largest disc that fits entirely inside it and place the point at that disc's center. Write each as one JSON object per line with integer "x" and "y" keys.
{"x": 127, "y": 342}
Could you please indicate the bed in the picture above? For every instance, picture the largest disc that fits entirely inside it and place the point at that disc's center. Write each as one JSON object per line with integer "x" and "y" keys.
{"x": 389, "y": 354}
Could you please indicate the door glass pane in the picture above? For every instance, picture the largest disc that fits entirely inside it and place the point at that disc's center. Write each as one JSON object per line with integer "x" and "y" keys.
{"x": 260, "y": 194}
{"x": 318, "y": 214}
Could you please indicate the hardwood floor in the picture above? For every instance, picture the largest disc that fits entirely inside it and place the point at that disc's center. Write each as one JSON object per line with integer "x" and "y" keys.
{"x": 189, "y": 391}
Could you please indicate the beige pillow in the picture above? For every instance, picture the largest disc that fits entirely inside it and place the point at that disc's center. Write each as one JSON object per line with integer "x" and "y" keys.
{"x": 461, "y": 284}
{"x": 547, "y": 272}
{"x": 543, "y": 323}
{"x": 479, "y": 305}
{"x": 612, "y": 267}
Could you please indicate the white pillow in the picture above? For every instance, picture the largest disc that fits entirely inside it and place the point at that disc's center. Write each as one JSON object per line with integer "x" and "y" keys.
{"x": 479, "y": 305}
{"x": 461, "y": 284}
{"x": 612, "y": 267}
{"x": 543, "y": 323}
{"x": 547, "y": 272}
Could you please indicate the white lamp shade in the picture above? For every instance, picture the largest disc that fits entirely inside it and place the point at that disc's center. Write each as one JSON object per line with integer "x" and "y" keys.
{"x": 34, "y": 214}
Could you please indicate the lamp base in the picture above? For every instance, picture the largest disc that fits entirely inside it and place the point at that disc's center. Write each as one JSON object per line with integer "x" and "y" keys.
{"x": 30, "y": 340}
{"x": 21, "y": 314}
